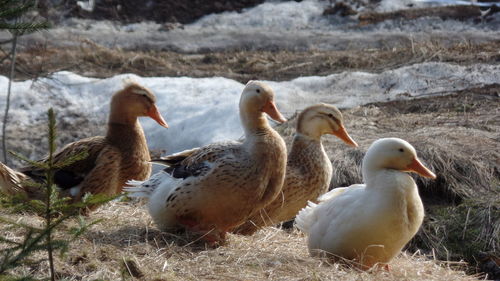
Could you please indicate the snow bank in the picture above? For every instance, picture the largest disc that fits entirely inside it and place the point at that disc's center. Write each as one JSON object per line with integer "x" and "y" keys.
{"x": 273, "y": 25}
{"x": 204, "y": 110}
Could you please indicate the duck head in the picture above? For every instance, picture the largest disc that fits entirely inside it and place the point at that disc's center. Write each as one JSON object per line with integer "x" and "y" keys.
{"x": 320, "y": 119}
{"x": 256, "y": 99}
{"x": 396, "y": 154}
{"x": 134, "y": 101}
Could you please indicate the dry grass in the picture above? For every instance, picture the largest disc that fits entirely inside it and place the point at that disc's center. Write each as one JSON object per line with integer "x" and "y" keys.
{"x": 97, "y": 61}
{"x": 459, "y": 12}
{"x": 127, "y": 243}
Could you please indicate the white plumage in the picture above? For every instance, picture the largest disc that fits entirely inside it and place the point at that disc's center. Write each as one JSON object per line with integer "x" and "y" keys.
{"x": 369, "y": 223}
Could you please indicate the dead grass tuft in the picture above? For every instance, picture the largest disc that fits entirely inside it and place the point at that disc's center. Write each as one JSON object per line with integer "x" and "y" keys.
{"x": 127, "y": 239}
{"x": 462, "y": 232}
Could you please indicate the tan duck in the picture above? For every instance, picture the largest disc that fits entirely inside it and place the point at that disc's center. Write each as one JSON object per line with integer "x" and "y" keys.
{"x": 369, "y": 223}
{"x": 308, "y": 171}
{"x": 112, "y": 160}
{"x": 212, "y": 189}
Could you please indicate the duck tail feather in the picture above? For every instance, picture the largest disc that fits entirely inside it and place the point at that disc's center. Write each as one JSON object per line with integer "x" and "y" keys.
{"x": 11, "y": 181}
{"x": 304, "y": 218}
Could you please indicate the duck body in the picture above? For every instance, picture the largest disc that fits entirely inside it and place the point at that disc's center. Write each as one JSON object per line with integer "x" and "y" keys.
{"x": 368, "y": 223}
{"x": 112, "y": 160}
{"x": 212, "y": 189}
{"x": 308, "y": 171}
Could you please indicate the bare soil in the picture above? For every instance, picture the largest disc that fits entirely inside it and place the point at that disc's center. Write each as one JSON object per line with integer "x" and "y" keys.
{"x": 130, "y": 11}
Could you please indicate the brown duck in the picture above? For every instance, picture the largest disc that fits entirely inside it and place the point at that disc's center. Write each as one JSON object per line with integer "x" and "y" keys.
{"x": 212, "y": 189}
{"x": 112, "y": 160}
{"x": 308, "y": 171}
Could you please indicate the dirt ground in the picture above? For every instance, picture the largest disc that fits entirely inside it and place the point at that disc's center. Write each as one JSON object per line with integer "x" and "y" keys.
{"x": 130, "y": 11}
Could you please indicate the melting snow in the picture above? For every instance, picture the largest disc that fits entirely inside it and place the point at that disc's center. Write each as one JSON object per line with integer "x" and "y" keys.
{"x": 274, "y": 24}
{"x": 204, "y": 110}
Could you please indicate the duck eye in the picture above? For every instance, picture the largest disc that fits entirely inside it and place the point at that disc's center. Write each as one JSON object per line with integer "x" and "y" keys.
{"x": 401, "y": 150}
{"x": 330, "y": 115}
{"x": 258, "y": 90}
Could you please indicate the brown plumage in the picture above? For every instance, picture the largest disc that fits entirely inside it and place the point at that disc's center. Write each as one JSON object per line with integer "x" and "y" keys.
{"x": 212, "y": 189}
{"x": 112, "y": 160}
{"x": 309, "y": 169}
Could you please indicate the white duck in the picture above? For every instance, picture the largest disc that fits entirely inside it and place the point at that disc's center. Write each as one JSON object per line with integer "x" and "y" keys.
{"x": 369, "y": 223}
{"x": 212, "y": 189}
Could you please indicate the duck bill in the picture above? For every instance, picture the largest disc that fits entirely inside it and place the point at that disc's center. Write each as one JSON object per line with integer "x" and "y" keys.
{"x": 273, "y": 112}
{"x": 419, "y": 168}
{"x": 155, "y": 115}
{"x": 342, "y": 134}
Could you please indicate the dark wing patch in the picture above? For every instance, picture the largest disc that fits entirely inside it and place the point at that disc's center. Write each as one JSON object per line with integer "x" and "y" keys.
{"x": 72, "y": 174}
{"x": 67, "y": 179}
{"x": 62, "y": 178}
{"x": 196, "y": 161}
{"x": 183, "y": 171}
{"x": 177, "y": 158}
{"x": 35, "y": 175}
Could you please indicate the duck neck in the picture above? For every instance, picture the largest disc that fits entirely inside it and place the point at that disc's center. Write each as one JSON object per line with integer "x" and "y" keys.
{"x": 370, "y": 168}
{"x": 299, "y": 140}
{"x": 126, "y": 136}
{"x": 375, "y": 174}
{"x": 118, "y": 115}
{"x": 254, "y": 122}
{"x": 307, "y": 149}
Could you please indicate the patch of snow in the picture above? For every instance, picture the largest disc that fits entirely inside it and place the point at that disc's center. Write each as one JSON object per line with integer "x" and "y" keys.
{"x": 204, "y": 110}
{"x": 457, "y": 2}
{"x": 394, "y": 5}
{"x": 270, "y": 16}
{"x": 272, "y": 25}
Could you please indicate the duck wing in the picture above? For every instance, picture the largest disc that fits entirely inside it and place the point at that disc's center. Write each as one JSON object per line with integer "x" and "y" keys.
{"x": 337, "y": 191}
{"x": 74, "y": 174}
{"x": 197, "y": 161}
{"x": 310, "y": 214}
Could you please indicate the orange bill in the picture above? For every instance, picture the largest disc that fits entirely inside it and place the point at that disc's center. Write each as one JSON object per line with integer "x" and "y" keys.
{"x": 272, "y": 111}
{"x": 155, "y": 115}
{"x": 419, "y": 168}
{"x": 342, "y": 134}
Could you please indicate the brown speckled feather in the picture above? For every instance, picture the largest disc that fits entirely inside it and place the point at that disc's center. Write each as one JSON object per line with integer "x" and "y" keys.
{"x": 227, "y": 183}
{"x": 308, "y": 171}
{"x": 308, "y": 175}
{"x": 212, "y": 189}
